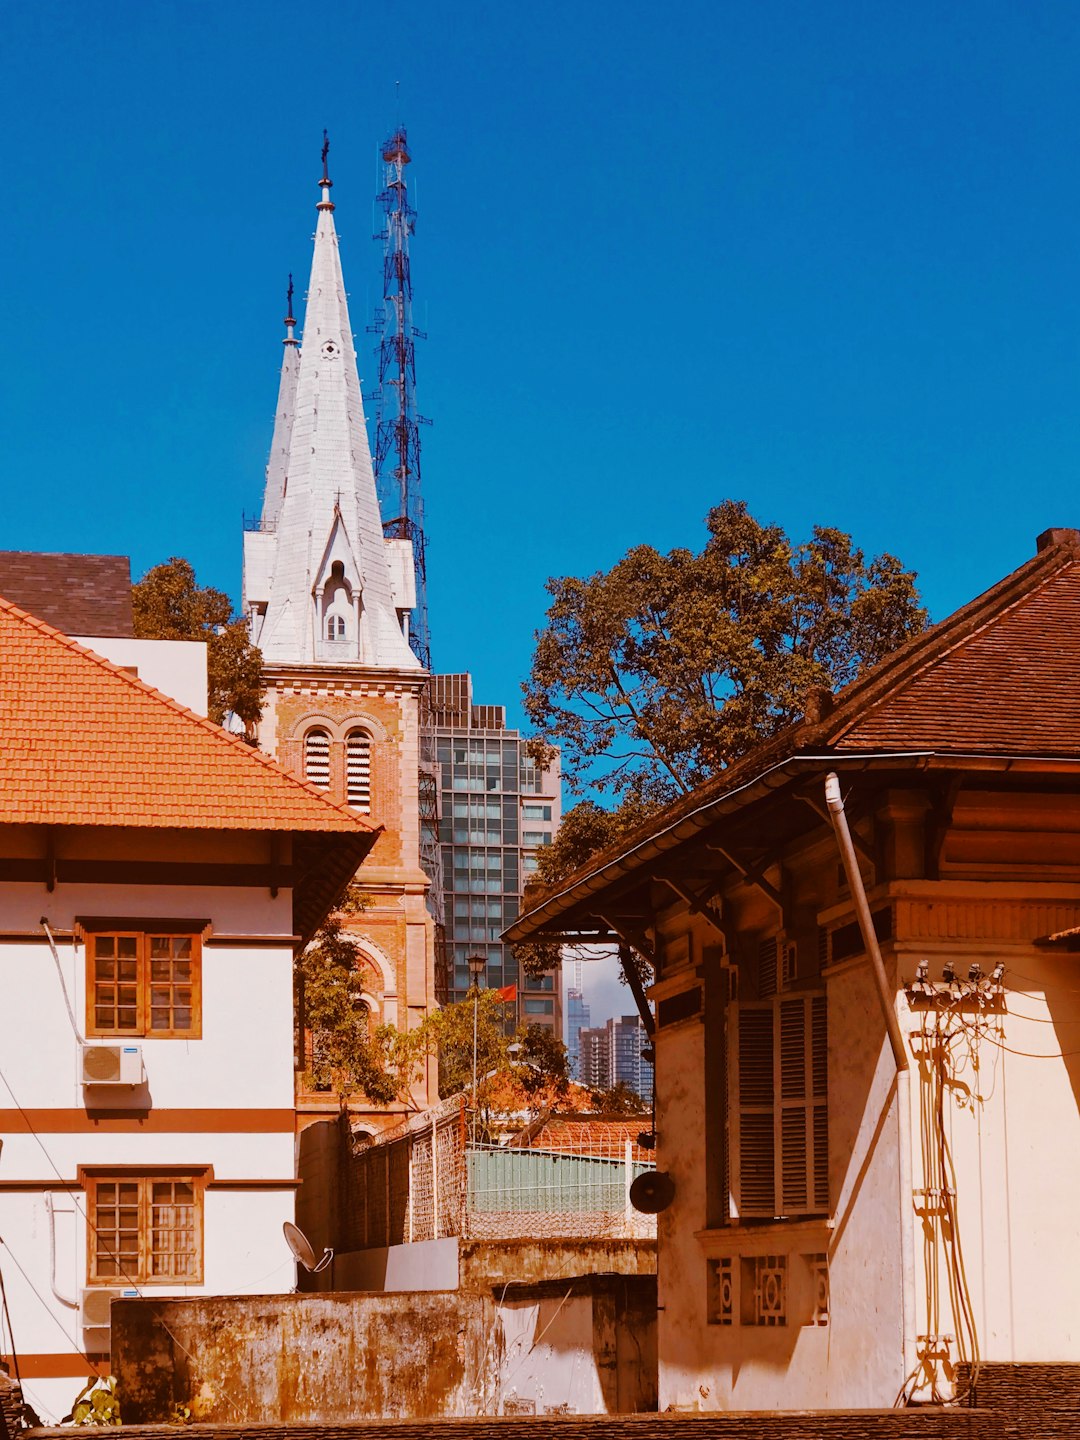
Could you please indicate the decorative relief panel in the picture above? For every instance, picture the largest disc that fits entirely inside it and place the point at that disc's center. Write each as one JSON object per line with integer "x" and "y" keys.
{"x": 721, "y": 1293}
{"x": 764, "y": 1290}
{"x": 819, "y": 1282}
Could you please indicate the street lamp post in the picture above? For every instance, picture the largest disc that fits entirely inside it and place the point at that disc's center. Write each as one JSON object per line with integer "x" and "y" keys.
{"x": 477, "y": 966}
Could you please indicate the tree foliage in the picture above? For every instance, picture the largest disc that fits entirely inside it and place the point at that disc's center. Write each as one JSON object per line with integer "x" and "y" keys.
{"x": 348, "y": 1054}
{"x": 531, "y": 1057}
{"x": 169, "y": 604}
{"x": 620, "y": 1099}
{"x": 658, "y": 673}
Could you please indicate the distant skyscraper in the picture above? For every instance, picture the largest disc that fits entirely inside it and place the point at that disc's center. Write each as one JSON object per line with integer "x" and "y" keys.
{"x": 577, "y": 1019}
{"x": 627, "y": 1039}
{"x": 595, "y": 1058}
{"x": 610, "y": 1055}
{"x": 497, "y": 810}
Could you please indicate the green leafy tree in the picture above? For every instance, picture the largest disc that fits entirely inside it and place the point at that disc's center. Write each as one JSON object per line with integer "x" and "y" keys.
{"x": 348, "y": 1054}
{"x": 658, "y": 673}
{"x": 169, "y": 604}
{"x": 621, "y": 1099}
{"x": 532, "y": 1058}
{"x": 449, "y": 1034}
{"x": 542, "y": 1066}
{"x": 97, "y": 1403}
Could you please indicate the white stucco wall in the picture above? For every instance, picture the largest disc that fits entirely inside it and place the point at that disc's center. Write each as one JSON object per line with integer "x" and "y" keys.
{"x": 1011, "y": 1115}
{"x": 240, "y": 1073}
{"x": 175, "y": 667}
{"x": 855, "y": 1359}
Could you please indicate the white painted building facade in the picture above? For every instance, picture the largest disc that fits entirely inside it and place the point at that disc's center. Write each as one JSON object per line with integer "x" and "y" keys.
{"x": 872, "y": 1172}
{"x": 156, "y": 877}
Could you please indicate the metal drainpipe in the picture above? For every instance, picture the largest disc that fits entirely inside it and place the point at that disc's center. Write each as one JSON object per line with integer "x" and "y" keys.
{"x": 835, "y": 801}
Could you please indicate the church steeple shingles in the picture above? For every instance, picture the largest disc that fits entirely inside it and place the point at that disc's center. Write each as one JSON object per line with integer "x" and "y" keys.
{"x": 320, "y": 581}
{"x": 277, "y": 467}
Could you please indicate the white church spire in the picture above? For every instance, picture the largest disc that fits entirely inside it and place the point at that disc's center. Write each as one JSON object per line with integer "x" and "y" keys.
{"x": 277, "y": 467}
{"x": 322, "y": 584}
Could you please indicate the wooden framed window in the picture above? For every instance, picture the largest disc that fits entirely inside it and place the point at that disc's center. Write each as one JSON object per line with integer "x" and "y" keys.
{"x": 779, "y": 1132}
{"x": 317, "y": 758}
{"x": 145, "y": 1228}
{"x": 143, "y": 983}
{"x": 358, "y": 770}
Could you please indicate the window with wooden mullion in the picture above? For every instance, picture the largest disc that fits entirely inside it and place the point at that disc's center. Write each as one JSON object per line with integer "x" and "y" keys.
{"x": 143, "y": 985}
{"x": 146, "y": 1228}
{"x": 779, "y": 1110}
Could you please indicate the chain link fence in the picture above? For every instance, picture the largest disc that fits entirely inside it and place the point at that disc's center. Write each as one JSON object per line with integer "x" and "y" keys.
{"x": 562, "y": 1177}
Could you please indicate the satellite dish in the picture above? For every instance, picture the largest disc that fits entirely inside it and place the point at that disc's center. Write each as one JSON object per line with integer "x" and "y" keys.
{"x": 652, "y": 1192}
{"x": 300, "y": 1246}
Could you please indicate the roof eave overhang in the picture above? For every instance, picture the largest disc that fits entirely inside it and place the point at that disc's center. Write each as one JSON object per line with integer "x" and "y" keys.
{"x": 553, "y": 917}
{"x": 330, "y": 866}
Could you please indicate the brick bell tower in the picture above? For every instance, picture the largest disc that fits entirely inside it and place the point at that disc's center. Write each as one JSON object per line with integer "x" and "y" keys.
{"x": 329, "y": 599}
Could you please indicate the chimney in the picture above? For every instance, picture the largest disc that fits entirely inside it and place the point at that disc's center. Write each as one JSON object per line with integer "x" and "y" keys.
{"x": 1049, "y": 538}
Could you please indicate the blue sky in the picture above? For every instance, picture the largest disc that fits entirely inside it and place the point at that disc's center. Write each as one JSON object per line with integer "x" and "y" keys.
{"x": 819, "y": 256}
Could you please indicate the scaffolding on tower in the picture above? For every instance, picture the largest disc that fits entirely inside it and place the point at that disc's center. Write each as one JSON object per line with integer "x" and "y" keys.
{"x": 397, "y": 477}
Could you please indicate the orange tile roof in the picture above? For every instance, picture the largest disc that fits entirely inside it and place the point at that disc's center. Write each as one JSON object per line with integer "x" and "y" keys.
{"x": 597, "y": 1135}
{"x": 84, "y": 743}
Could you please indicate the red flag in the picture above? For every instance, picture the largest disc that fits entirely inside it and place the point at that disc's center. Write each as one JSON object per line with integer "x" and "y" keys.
{"x": 508, "y": 992}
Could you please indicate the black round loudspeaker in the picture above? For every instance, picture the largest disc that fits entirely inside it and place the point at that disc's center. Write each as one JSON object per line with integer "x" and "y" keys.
{"x": 652, "y": 1192}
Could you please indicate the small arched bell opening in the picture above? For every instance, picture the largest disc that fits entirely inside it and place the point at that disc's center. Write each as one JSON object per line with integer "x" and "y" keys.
{"x": 358, "y": 771}
{"x": 317, "y": 758}
{"x": 338, "y": 615}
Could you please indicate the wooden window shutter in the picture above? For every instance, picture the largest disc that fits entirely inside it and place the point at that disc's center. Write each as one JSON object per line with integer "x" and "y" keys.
{"x": 819, "y": 1073}
{"x": 780, "y": 1107}
{"x": 754, "y": 1152}
{"x": 768, "y": 954}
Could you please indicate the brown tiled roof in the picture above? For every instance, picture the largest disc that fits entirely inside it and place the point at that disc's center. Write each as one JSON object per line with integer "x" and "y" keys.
{"x": 76, "y": 594}
{"x": 1009, "y": 686}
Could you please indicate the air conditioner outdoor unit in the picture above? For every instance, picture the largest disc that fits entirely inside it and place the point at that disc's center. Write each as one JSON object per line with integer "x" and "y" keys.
{"x": 112, "y": 1065}
{"x": 95, "y": 1306}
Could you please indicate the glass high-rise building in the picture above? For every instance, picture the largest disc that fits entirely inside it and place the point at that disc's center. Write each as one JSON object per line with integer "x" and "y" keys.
{"x": 577, "y": 1019}
{"x": 610, "y": 1055}
{"x": 497, "y": 810}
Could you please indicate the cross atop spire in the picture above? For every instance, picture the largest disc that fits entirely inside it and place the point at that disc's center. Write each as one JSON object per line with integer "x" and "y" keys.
{"x": 290, "y": 319}
{"x": 325, "y": 183}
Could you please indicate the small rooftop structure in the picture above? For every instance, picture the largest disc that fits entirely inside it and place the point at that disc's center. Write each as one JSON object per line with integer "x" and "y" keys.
{"x": 76, "y": 594}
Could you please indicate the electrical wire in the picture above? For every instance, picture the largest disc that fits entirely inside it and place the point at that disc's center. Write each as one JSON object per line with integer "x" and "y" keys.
{"x": 103, "y": 1243}
{"x": 1031, "y": 1054}
{"x": 44, "y": 923}
{"x": 5, "y": 1314}
{"x": 46, "y": 1306}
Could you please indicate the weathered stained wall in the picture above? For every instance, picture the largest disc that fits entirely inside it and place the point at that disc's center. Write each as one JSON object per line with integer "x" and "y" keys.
{"x": 487, "y": 1265}
{"x": 583, "y": 1346}
{"x": 302, "y": 1358}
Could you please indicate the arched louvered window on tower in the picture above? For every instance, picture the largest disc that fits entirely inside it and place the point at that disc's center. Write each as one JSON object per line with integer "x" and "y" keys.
{"x": 358, "y": 770}
{"x": 317, "y": 758}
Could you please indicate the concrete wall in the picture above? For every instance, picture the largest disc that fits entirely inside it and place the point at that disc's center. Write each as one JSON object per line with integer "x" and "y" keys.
{"x": 587, "y": 1347}
{"x": 426, "y": 1265}
{"x": 489, "y": 1265}
{"x": 483, "y": 1266}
